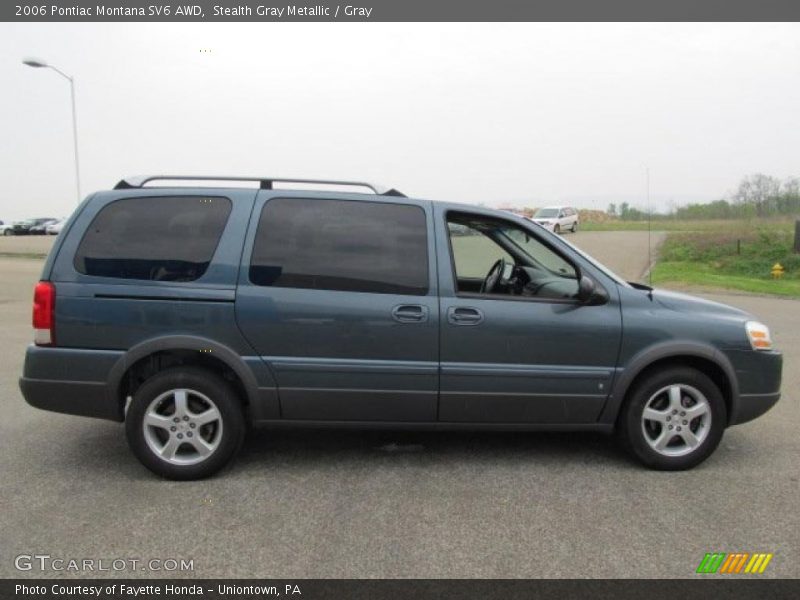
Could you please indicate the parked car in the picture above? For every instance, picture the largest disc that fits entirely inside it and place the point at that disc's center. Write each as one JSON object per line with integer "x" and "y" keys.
{"x": 558, "y": 218}
{"x": 6, "y": 228}
{"x": 32, "y": 226}
{"x": 41, "y": 228}
{"x": 189, "y": 312}
{"x": 55, "y": 227}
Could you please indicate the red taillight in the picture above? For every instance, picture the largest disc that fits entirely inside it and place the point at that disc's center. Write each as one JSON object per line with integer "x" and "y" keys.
{"x": 44, "y": 310}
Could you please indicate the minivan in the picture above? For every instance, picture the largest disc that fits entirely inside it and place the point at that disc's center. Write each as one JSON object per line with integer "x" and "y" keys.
{"x": 190, "y": 308}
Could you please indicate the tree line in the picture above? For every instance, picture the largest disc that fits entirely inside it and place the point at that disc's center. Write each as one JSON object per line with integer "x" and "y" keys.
{"x": 757, "y": 195}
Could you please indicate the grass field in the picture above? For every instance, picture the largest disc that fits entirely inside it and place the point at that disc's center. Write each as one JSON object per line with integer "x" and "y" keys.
{"x": 715, "y": 225}
{"x": 733, "y": 255}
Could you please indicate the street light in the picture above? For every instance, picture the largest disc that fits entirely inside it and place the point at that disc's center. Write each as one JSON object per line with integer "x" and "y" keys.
{"x": 40, "y": 64}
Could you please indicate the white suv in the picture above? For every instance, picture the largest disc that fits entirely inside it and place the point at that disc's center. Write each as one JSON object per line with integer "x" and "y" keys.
{"x": 557, "y": 218}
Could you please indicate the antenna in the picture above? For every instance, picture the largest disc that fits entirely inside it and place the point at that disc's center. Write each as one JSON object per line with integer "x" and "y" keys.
{"x": 649, "y": 227}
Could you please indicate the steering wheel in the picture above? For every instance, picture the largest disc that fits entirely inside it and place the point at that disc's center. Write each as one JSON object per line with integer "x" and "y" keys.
{"x": 493, "y": 276}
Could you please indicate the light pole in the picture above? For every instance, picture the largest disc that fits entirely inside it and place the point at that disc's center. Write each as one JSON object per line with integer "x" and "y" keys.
{"x": 40, "y": 64}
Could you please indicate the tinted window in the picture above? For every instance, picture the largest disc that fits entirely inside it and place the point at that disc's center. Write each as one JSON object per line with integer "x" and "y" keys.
{"x": 341, "y": 245}
{"x": 157, "y": 239}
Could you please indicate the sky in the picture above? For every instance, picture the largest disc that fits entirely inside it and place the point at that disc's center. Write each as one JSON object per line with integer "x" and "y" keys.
{"x": 517, "y": 114}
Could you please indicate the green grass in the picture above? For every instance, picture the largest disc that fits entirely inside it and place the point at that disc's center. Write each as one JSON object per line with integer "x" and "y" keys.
{"x": 705, "y": 276}
{"x": 735, "y": 258}
{"x": 714, "y": 225}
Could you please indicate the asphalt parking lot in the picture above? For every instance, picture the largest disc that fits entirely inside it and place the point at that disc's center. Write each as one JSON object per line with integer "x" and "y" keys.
{"x": 300, "y": 504}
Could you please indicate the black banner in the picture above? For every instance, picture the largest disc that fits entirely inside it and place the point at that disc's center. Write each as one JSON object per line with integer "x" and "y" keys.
{"x": 733, "y": 588}
{"x": 401, "y": 10}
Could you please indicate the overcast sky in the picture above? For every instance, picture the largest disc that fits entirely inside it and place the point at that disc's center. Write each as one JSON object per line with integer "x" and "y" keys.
{"x": 529, "y": 114}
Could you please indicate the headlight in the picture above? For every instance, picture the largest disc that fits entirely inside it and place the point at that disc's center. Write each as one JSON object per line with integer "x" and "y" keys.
{"x": 758, "y": 334}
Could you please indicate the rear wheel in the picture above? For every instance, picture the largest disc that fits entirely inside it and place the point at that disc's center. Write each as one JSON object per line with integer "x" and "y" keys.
{"x": 185, "y": 423}
{"x": 673, "y": 419}
{"x": 575, "y": 227}
{"x": 8, "y": 232}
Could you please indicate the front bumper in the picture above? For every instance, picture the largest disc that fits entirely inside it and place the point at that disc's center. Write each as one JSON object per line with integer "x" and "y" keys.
{"x": 759, "y": 376}
{"x": 71, "y": 381}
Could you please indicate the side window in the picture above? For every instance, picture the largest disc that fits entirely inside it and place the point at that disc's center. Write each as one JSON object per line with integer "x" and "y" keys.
{"x": 170, "y": 238}
{"x": 474, "y": 252}
{"x": 344, "y": 245}
{"x": 532, "y": 268}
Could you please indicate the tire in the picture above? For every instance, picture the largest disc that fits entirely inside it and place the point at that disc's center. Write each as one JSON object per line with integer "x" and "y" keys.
{"x": 208, "y": 440}
{"x": 557, "y": 228}
{"x": 8, "y": 232}
{"x": 684, "y": 442}
{"x": 575, "y": 227}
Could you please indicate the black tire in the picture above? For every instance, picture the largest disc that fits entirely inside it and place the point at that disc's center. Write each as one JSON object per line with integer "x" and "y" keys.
{"x": 228, "y": 439}
{"x": 8, "y": 232}
{"x": 557, "y": 228}
{"x": 632, "y": 430}
{"x": 575, "y": 227}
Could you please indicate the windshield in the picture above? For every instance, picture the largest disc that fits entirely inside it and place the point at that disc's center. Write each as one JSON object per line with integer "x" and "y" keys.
{"x": 546, "y": 213}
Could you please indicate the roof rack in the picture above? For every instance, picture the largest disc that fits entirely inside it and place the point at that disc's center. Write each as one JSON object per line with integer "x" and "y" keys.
{"x": 265, "y": 183}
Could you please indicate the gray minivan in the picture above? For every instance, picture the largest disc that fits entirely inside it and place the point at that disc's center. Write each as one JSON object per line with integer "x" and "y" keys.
{"x": 191, "y": 307}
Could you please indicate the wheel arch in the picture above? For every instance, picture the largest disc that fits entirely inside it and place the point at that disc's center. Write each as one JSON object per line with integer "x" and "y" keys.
{"x": 143, "y": 360}
{"x": 705, "y": 359}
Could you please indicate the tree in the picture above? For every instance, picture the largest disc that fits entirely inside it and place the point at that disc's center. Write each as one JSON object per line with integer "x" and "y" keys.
{"x": 612, "y": 209}
{"x": 760, "y": 191}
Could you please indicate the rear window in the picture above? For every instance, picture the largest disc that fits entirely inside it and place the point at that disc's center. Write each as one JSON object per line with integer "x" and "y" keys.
{"x": 341, "y": 245}
{"x": 170, "y": 238}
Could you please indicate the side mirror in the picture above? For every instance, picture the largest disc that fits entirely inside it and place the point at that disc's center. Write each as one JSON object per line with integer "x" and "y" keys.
{"x": 589, "y": 293}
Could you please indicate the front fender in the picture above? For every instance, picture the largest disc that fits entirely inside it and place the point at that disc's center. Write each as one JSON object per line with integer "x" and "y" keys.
{"x": 666, "y": 350}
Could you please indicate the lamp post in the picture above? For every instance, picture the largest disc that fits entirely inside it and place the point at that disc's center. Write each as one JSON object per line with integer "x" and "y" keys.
{"x": 40, "y": 64}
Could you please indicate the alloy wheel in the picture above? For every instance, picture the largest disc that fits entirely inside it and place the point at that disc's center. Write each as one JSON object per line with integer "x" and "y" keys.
{"x": 676, "y": 420}
{"x": 182, "y": 427}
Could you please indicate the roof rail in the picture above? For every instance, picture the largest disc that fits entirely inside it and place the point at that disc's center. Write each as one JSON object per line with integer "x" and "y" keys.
{"x": 265, "y": 183}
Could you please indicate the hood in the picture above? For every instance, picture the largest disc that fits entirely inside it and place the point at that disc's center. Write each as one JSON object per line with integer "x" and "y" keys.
{"x": 686, "y": 303}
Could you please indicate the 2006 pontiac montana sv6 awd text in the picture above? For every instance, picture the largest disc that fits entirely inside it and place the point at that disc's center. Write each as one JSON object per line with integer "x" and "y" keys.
{"x": 187, "y": 312}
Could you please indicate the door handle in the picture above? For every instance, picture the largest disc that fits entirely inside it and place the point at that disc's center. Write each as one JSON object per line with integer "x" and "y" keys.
{"x": 410, "y": 313}
{"x": 463, "y": 315}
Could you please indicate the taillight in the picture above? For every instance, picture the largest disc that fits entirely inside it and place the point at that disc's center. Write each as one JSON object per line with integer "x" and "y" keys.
{"x": 44, "y": 310}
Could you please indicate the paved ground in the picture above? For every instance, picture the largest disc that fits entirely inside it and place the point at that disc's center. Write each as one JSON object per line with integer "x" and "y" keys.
{"x": 346, "y": 504}
{"x": 25, "y": 244}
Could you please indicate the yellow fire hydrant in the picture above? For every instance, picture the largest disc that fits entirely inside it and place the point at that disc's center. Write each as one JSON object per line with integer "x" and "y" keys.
{"x": 777, "y": 271}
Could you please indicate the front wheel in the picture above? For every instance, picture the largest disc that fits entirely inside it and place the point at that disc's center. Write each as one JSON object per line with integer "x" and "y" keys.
{"x": 8, "y": 232}
{"x": 673, "y": 419}
{"x": 185, "y": 423}
{"x": 575, "y": 227}
{"x": 557, "y": 228}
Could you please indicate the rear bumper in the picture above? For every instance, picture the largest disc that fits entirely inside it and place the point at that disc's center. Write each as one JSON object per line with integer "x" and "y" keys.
{"x": 87, "y": 399}
{"x": 71, "y": 381}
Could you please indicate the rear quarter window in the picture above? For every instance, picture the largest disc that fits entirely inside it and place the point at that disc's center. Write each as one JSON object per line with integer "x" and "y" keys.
{"x": 167, "y": 238}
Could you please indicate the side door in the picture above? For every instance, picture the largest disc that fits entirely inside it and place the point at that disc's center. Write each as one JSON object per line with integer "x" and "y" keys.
{"x": 542, "y": 358}
{"x": 338, "y": 295}
{"x": 563, "y": 219}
